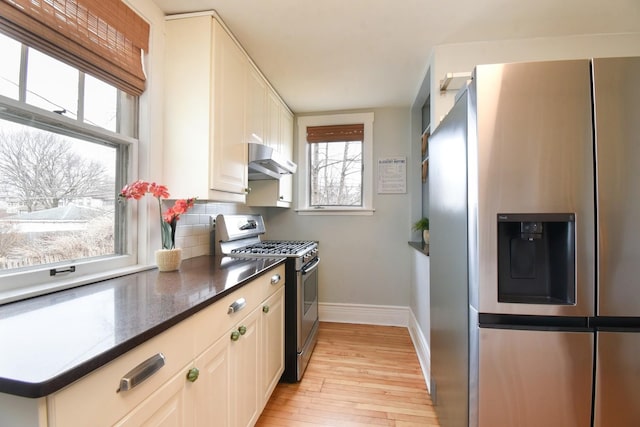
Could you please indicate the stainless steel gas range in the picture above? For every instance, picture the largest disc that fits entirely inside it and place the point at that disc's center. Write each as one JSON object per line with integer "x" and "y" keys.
{"x": 238, "y": 236}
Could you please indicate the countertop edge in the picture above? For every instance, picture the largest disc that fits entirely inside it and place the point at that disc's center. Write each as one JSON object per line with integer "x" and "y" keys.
{"x": 58, "y": 382}
{"x": 420, "y": 247}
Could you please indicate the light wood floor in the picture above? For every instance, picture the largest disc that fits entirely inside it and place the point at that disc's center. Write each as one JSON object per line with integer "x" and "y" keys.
{"x": 359, "y": 375}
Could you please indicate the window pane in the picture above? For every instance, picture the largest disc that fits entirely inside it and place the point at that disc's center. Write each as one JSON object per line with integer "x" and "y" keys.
{"x": 100, "y": 103}
{"x": 57, "y": 197}
{"x": 51, "y": 84}
{"x": 9, "y": 67}
{"x": 336, "y": 173}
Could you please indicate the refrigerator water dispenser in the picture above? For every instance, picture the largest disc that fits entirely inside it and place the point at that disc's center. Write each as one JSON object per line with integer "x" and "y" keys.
{"x": 536, "y": 258}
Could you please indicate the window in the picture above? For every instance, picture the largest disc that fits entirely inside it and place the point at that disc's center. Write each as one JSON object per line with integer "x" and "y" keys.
{"x": 64, "y": 150}
{"x": 335, "y": 161}
{"x": 335, "y": 165}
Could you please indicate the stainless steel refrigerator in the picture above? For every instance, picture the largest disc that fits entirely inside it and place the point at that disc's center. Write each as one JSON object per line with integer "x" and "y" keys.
{"x": 535, "y": 247}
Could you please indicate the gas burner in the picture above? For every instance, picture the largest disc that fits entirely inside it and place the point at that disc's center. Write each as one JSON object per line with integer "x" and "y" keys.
{"x": 274, "y": 247}
{"x": 239, "y": 236}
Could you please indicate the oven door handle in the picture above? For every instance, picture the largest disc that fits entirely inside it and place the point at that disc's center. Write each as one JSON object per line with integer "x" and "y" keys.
{"x": 310, "y": 268}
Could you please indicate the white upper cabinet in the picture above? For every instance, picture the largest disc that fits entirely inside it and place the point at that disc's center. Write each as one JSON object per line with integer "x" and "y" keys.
{"x": 216, "y": 101}
{"x": 205, "y": 151}
{"x": 257, "y": 89}
{"x": 279, "y": 136}
{"x": 273, "y": 121}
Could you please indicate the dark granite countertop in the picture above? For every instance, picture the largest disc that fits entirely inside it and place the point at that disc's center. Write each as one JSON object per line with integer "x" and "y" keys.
{"x": 420, "y": 246}
{"x": 52, "y": 340}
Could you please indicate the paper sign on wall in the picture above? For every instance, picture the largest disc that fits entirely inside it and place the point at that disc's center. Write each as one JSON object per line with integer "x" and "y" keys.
{"x": 392, "y": 175}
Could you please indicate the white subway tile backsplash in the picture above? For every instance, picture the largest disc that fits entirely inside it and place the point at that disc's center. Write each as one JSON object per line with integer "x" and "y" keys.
{"x": 194, "y": 227}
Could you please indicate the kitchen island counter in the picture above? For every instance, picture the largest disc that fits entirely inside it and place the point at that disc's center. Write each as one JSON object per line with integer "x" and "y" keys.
{"x": 50, "y": 341}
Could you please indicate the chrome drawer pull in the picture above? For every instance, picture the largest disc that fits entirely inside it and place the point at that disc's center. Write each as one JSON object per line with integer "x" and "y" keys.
{"x": 237, "y": 305}
{"x": 141, "y": 372}
{"x": 275, "y": 279}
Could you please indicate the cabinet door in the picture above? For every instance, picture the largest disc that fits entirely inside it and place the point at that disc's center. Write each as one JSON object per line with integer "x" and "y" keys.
{"x": 272, "y": 343}
{"x": 273, "y": 121}
{"x": 229, "y": 149}
{"x": 187, "y": 106}
{"x": 256, "y": 106}
{"x": 286, "y": 145}
{"x": 210, "y": 392}
{"x": 167, "y": 407}
{"x": 245, "y": 357}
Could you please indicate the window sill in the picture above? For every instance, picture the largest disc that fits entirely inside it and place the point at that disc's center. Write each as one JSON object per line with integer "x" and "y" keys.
{"x": 331, "y": 211}
{"x": 12, "y": 295}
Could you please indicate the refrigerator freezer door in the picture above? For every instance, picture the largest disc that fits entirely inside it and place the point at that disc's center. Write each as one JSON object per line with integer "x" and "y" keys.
{"x": 533, "y": 378}
{"x": 617, "y": 398}
{"x": 617, "y": 109}
{"x": 535, "y": 156}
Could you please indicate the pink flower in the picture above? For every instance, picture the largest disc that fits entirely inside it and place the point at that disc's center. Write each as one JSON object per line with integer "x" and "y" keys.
{"x": 136, "y": 190}
{"x": 158, "y": 191}
{"x": 181, "y": 206}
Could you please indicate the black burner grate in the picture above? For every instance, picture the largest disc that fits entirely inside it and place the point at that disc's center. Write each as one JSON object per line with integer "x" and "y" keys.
{"x": 275, "y": 247}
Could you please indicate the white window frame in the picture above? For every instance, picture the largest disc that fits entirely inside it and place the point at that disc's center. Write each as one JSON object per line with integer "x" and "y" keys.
{"x": 34, "y": 281}
{"x": 304, "y": 185}
{"x": 37, "y": 280}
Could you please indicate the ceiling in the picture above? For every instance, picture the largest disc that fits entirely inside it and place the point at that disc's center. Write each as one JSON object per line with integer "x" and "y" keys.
{"x": 328, "y": 55}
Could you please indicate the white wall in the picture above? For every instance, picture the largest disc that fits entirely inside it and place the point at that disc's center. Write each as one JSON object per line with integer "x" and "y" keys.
{"x": 364, "y": 258}
{"x": 453, "y": 58}
{"x": 149, "y": 154}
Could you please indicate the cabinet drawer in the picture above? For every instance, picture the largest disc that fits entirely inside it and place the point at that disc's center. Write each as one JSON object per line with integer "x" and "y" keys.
{"x": 216, "y": 320}
{"x": 94, "y": 399}
{"x": 268, "y": 288}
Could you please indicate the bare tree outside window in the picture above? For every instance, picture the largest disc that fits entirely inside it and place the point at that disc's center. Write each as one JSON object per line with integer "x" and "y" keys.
{"x": 40, "y": 170}
{"x": 56, "y": 197}
{"x": 336, "y": 173}
{"x": 66, "y": 138}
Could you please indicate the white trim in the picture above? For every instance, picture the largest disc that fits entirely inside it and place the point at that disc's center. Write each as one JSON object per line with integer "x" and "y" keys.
{"x": 31, "y": 281}
{"x": 385, "y": 315}
{"x": 36, "y": 117}
{"x": 422, "y": 348}
{"x": 367, "y": 120}
{"x": 330, "y": 211}
{"x": 42, "y": 288}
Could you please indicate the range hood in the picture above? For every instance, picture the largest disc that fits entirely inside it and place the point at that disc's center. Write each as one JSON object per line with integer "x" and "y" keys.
{"x": 266, "y": 163}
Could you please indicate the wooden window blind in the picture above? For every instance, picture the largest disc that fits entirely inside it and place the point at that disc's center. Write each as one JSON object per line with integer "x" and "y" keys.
{"x": 104, "y": 38}
{"x": 335, "y": 133}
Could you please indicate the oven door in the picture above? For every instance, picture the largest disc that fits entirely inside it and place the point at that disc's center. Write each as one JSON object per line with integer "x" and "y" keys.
{"x": 307, "y": 301}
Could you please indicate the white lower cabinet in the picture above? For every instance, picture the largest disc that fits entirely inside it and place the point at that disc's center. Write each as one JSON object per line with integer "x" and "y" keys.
{"x": 168, "y": 406}
{"x": 220, "y": 368}
{"x": 211, "y": 397}
{"x": 239, "y": 371}
{"x": 272, "y": 343}
{"x": 246, "y": 354}
{"x": 94, "y": 400}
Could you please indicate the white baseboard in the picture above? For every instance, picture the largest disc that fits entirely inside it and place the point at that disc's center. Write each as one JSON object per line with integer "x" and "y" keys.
{"x": 422, "y": 348}
{"x": 383, "y": 315}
